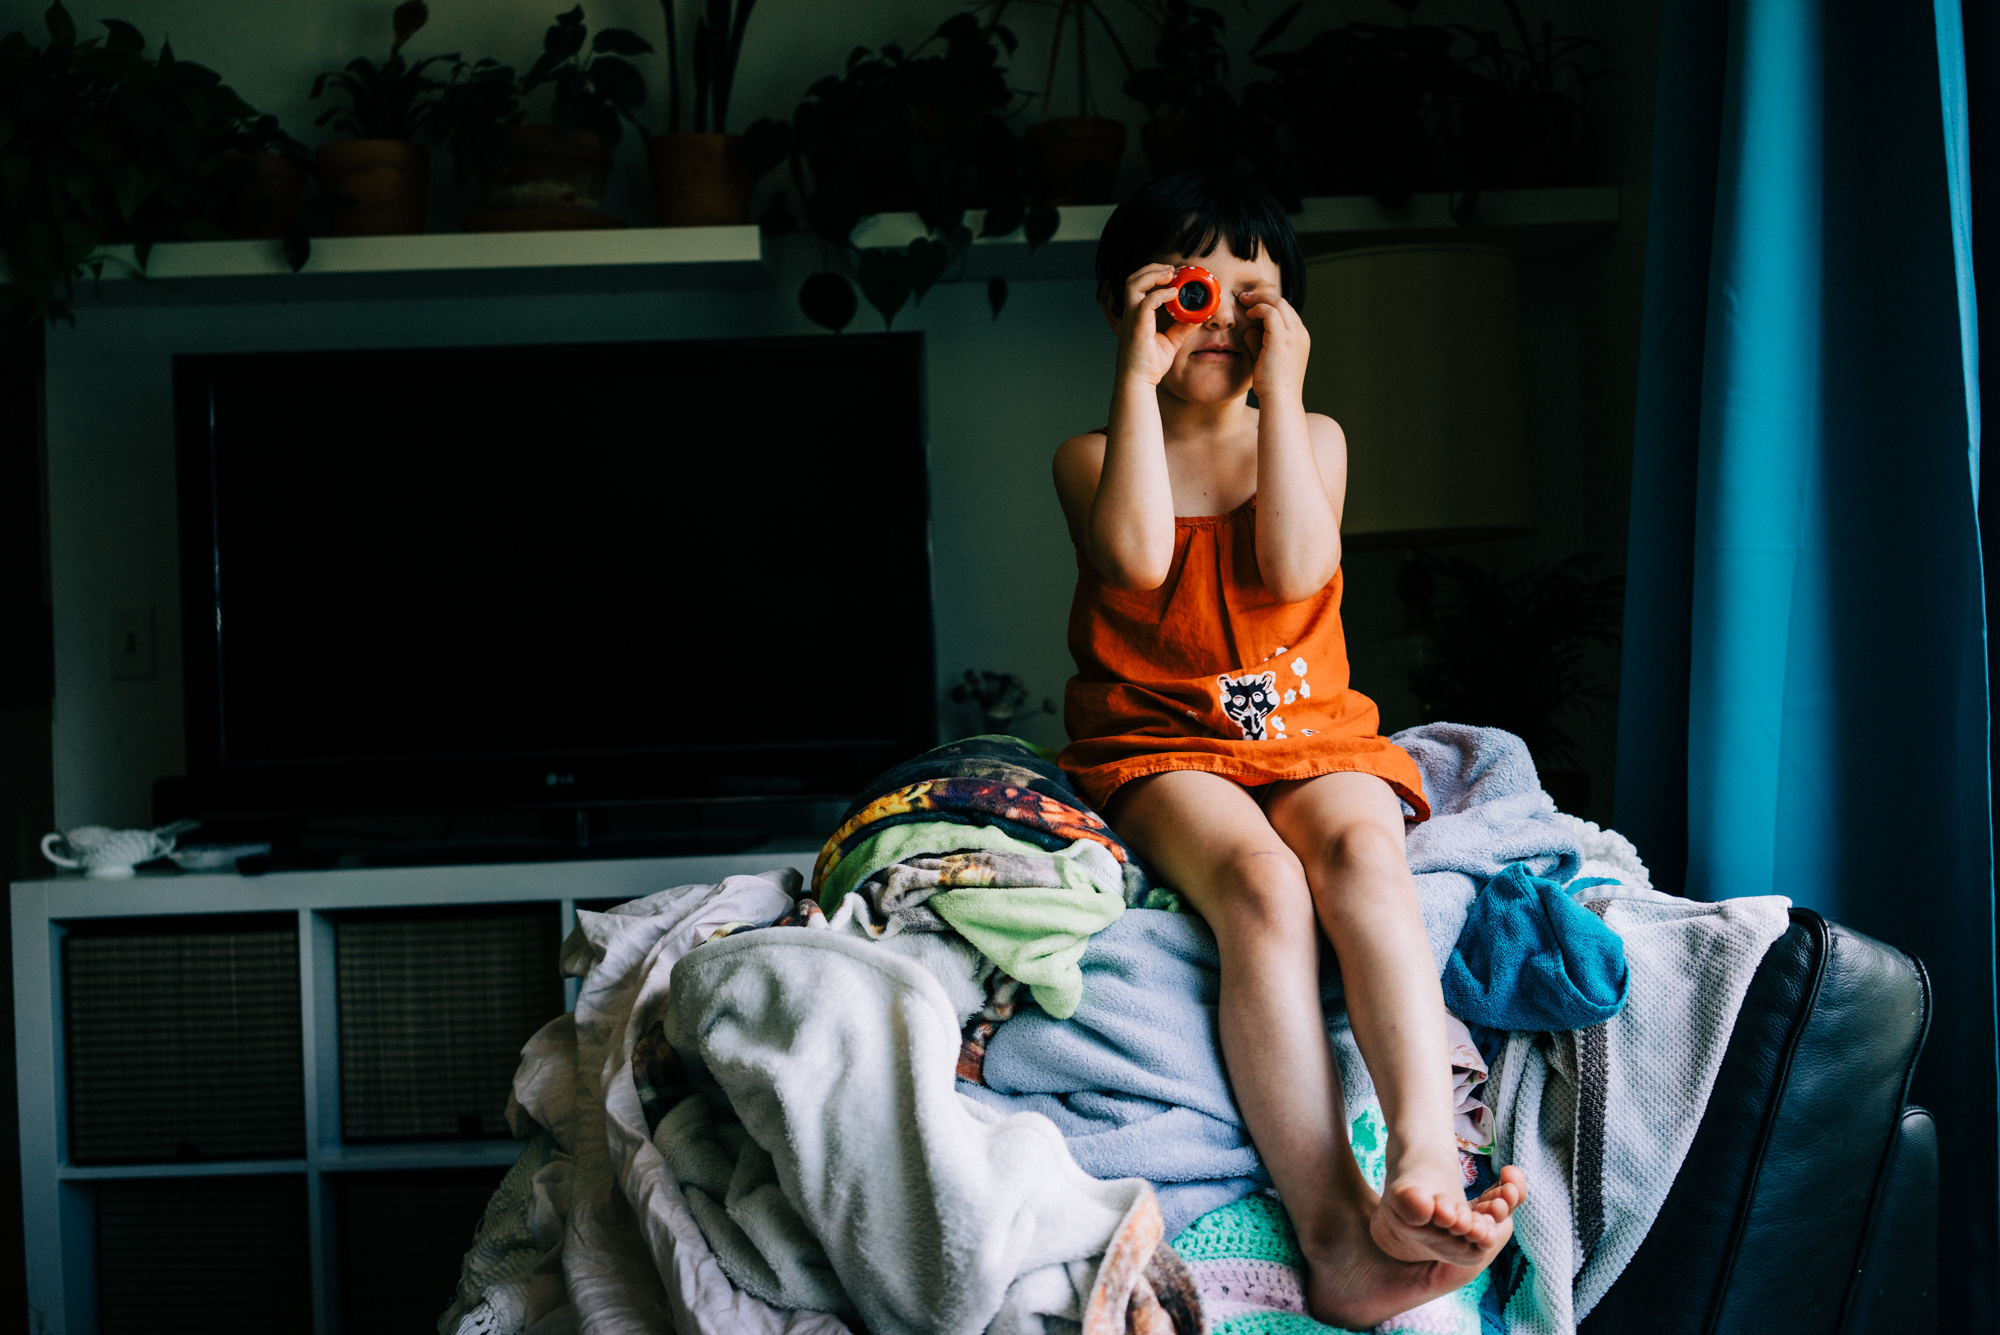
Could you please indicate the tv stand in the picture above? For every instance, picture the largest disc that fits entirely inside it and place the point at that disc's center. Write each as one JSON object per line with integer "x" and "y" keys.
{"x": 653, "y": 844}
{"x": 60, "y": 1198}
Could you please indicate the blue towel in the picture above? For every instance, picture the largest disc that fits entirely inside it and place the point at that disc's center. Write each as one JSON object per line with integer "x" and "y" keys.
{"x": 1531, "y": 958}
{"x": 1134, "y": 1079}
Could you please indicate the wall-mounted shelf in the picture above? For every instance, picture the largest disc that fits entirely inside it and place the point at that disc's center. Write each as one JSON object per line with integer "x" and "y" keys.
{"x": 1069, "y": 253}
{"x": 641, "y": 259}
{"x": 444, "y": 264}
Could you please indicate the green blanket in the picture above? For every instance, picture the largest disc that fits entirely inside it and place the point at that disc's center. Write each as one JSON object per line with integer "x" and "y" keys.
{"x": 1030, "y": 911}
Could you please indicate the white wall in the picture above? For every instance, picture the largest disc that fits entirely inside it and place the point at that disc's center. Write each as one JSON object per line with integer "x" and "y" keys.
{"x": 1000, "y": 393}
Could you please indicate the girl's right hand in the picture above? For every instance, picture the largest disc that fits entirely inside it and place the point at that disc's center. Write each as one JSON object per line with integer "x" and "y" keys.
{"x": 1145, "y": 352}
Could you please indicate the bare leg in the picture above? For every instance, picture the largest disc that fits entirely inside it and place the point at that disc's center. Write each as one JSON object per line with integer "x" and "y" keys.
{"x": 1212, "y": 842}
{"x": 1347, "y": 830}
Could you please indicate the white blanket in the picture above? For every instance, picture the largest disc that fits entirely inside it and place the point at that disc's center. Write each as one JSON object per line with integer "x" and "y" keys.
{"x": 1013, "y": 1227}
{"x": 632, "y": 1257}
{"x": 838, "y": 1053}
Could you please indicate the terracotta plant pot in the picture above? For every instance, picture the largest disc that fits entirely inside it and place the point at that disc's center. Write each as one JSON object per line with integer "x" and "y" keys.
{"x": 557, "y": 183}
{"x": 698, "y": 180}
{"x": 1077, "y": 157}
{"x": 265, "y": 207}
{"x": 387, "y": 179}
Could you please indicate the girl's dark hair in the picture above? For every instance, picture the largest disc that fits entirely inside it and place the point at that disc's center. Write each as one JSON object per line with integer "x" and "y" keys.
{"x": 1192, "y": 213}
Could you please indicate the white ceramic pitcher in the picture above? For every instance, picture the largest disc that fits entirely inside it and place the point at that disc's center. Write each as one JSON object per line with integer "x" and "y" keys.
{"x": 106, "y": 854}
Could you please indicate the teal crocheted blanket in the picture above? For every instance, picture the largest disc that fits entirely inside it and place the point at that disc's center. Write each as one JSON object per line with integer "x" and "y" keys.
{"x": 1245, "y": 1260}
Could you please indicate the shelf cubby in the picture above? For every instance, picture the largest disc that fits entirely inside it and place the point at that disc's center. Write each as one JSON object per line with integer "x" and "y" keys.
{"x": 316, "y": 1213}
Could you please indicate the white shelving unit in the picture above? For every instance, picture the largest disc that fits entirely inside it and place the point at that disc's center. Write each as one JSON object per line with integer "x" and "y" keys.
{"x": 62, "y": 1278}
{"x": 682, "y": 258}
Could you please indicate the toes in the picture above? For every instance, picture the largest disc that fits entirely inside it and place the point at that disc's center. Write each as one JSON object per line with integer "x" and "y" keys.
{"x": 1447, "y": 1214}
{"x": 1413, "y": 1205}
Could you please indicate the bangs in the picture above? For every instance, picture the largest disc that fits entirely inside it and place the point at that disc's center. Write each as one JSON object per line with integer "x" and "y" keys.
{"x": 1193, "y": 214}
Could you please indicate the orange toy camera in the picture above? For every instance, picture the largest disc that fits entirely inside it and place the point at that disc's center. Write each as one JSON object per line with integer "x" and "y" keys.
{"x": 1197, "y": 294}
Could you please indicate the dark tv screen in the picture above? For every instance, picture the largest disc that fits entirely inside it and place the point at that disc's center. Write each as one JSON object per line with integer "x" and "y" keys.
{"x": 582, "y": 573}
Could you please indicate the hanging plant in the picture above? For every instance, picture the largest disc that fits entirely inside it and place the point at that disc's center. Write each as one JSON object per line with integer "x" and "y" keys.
{"x": 1076, "y": 156}
{"x": 904, "y": 131}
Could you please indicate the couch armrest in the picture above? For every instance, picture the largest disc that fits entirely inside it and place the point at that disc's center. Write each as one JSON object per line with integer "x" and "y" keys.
{"x": 1894, "y": 1291}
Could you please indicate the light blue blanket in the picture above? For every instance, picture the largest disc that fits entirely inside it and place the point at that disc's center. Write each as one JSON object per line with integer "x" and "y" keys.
{"x": 1134, "y": 1079}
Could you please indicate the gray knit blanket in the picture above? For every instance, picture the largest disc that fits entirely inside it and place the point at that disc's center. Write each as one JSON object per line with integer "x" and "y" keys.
{"x": 1599, "y": 1119}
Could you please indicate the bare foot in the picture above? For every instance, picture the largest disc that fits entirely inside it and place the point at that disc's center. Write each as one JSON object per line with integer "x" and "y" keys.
{"x": 1424, "y": 1216}
{"x": 1355, "y": 1284}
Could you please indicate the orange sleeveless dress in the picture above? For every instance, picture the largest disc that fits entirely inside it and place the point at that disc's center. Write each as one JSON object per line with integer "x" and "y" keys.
{"x": 1210, "y": 672}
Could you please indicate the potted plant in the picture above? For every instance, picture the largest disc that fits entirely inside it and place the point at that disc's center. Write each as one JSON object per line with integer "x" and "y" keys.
{"x": 1364, "y": 106}
{"x": 1523, "y": 116}
{"x": 700, "y": 176}
{"x": 1509, "y": 651}
{"x": 104, "y": 144}
{"x": 998, "y": 695}
{"x": 1076, "y": 156}
{"x": 377, "y": 174}
{"x": 899, "y": 131}
{"x": 550, "y": 177}
{"x": 1192, "y": 115}
{"x": 268, "y": 205}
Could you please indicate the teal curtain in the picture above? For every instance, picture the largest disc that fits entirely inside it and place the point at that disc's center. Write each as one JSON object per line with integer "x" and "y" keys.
{"x": 1804, "y": 707}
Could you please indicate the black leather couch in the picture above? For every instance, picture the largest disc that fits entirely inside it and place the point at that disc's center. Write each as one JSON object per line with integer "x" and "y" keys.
{"x": 1809, "y": 1200}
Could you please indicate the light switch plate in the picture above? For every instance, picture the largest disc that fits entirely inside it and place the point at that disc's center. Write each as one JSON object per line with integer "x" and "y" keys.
{"x": 129, "y": 638}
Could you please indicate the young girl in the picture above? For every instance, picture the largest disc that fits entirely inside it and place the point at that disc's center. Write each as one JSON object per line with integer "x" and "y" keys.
{"x": 1212, "y": 723}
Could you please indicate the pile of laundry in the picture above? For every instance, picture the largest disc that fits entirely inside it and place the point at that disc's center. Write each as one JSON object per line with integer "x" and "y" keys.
{"x": 974, "y": 1083}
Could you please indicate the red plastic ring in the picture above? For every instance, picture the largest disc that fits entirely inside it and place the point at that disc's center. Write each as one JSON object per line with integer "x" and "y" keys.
{"x": 1194, "y": 276}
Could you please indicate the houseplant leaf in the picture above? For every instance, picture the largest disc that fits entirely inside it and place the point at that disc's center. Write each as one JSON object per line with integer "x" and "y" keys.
{"x": 885, "y": 281}
{"x": 62, "y": 28}
{"x": 621, "y": 42}
{"x": 927, "y": 260}
{"x": 1040, "y": 223}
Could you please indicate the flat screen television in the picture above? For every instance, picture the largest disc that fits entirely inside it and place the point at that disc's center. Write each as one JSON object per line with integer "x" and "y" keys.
{"x": 568, "y": 575}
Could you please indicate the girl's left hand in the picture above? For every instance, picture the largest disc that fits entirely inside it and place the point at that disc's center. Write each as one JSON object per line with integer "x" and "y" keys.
{"x": 1278, "y": 339}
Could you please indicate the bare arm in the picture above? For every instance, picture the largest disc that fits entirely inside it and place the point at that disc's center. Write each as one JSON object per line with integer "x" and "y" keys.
{"x": 1301, "y": 463}
{"x": 1114, "y": 487}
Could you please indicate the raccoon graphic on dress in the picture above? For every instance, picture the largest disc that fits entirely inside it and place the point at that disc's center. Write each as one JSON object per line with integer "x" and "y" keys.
{"x": 1211, "y": 672}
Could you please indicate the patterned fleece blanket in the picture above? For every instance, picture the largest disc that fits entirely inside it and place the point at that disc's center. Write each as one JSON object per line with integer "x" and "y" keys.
{"x": 993, "y": 781}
